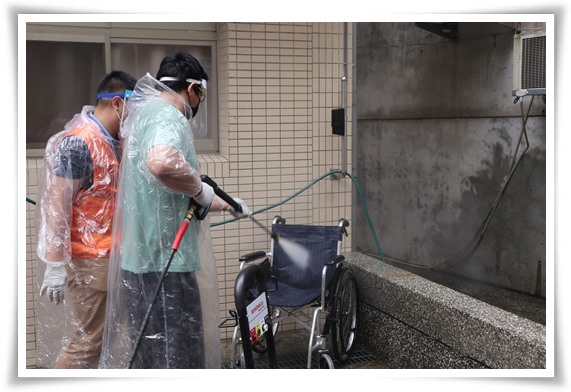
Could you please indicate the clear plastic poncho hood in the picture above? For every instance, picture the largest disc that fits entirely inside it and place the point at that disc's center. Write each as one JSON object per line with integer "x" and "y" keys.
{"x": 148, "y": 87}
{"x": 182, "y": 329}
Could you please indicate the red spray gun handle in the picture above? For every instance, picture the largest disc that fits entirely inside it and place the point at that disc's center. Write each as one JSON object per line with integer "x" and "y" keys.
{"x": 184, "y": 225}
{"x": 200, "y": 215}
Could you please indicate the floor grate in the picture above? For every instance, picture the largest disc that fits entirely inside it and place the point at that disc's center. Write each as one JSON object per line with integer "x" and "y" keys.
{"x": 358, "y": 359}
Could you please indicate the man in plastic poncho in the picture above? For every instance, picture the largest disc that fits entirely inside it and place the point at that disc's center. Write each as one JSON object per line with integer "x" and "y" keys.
{"x": 160, "y": 176}
{"x": 74, "y": 213}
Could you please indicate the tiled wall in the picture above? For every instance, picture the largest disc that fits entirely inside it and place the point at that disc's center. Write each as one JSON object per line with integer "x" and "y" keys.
{"x": 277, "y": 85}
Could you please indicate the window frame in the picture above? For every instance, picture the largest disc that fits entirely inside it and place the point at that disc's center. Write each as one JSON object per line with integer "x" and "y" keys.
{"x": 156, "y": 33}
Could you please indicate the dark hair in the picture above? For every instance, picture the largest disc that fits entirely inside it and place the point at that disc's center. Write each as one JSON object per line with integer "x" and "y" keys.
{"x": 116, "y": 82}
{"x": 181, "y": 65}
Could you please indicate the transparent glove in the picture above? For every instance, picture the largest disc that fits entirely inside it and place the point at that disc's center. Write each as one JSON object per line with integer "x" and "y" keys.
{"x": 55, "y": 278}
{"x": 204, "y": 199}
{"x": 245, "y": 210}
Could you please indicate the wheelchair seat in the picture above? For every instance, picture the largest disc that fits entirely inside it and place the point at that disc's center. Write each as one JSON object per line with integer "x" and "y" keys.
{"x": 299, "y": 254}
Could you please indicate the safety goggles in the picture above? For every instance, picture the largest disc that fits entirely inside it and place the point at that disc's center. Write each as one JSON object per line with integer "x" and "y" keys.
{"x": 199, "y": 88}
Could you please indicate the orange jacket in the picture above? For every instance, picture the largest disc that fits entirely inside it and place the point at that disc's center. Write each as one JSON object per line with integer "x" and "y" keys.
{"x": 93, "y": 208}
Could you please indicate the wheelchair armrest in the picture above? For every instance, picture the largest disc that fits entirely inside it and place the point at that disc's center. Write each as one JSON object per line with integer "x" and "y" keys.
{"x": 252, "y": 256}
{"x": 336, "y": 260}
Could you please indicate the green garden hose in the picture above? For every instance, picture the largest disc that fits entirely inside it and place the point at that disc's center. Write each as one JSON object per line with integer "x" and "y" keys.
{"x": 334, "y": 171}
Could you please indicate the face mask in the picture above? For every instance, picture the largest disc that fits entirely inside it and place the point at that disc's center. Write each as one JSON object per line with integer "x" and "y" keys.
{"x": 122, "y": 116}
{"x": 200, "y": 91}
{"x": 194, "y": 110}
{"x": 124, "y": 96}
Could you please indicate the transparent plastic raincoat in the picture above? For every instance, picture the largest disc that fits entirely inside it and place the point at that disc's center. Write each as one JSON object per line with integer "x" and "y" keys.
{"x": 159, "y": 160}
{"x": 74, "y": 216}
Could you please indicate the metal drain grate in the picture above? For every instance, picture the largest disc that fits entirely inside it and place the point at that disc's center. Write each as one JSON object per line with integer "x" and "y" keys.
{"x": 358, "y": 359}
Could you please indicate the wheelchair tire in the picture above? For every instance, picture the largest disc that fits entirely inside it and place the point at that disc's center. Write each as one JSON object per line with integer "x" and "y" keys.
{"x": 344, "y": 314}
{"x": 239, "y": 362}
{"x": 325, "y": 362}
{"x": 242, "y": 361}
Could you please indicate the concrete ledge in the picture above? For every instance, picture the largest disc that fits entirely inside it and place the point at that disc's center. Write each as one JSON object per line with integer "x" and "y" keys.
{"x": 410, "y": 322}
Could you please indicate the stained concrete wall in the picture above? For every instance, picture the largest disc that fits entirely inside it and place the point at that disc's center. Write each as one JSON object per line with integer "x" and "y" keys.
{"x": 437, "y": 130}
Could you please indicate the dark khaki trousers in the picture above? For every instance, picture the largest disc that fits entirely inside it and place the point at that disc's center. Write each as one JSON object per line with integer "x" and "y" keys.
{"x": 87, "y": 292}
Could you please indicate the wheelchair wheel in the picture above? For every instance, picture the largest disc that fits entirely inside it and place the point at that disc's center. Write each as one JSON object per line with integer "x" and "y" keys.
{"x": 325, "y": 362}
{"x": 238, "y": 360}
{"x": 242, "y": 361}
{"x": 344, "y": 314}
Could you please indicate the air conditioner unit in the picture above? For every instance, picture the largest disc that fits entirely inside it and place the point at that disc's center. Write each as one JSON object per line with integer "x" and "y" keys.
{"x": 529, "y": 64}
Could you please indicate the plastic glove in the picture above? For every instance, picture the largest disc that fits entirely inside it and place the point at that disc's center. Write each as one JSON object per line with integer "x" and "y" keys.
{"x": 204, "y": 199}
{"x": 55, "y": 278}
{"x": 245, "y": 210}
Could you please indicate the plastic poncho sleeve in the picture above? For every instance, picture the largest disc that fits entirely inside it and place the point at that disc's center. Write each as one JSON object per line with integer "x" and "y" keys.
{"x": 170, "y": 167}
{"x": 65, "y": 160}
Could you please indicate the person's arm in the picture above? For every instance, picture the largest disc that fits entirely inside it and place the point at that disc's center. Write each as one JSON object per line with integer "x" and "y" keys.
{"x": 70, "y": 164}
{"x": 170, "y": 167}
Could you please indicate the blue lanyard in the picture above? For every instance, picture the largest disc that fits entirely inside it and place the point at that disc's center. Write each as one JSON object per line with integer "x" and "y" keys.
{"x": 111, "y": 140}
{"x": 91, "y": 116}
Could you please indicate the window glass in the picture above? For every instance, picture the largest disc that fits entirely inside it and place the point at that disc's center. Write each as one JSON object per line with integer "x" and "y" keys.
{"x": 140, "y": 58}
{"x": 61, "y": 77}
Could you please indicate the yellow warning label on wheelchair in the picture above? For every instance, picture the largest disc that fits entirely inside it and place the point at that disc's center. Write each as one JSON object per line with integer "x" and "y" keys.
{"x": 258, "y": 317}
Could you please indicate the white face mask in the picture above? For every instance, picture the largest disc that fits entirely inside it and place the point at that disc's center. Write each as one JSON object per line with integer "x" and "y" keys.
{"x": 123, "y": 115}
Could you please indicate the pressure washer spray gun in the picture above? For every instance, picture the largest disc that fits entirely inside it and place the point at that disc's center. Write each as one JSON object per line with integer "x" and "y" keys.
{"x": 194, "y": 211}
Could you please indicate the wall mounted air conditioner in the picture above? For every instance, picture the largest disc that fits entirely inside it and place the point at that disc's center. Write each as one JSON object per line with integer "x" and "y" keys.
{"x": 529, "y": 64}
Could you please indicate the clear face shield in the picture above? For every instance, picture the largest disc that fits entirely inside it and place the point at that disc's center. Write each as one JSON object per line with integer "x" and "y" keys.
{"x": 124, "y": 97}
{"x": 199, "y": 120}
{"x": 198, "y": 117}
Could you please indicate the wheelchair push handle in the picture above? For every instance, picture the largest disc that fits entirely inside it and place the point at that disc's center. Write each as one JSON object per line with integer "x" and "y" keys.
{"x": 220, "y": 193}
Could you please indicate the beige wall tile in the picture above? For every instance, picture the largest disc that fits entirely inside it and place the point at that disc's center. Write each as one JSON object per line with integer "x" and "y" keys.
{"x": 277, "y": 85}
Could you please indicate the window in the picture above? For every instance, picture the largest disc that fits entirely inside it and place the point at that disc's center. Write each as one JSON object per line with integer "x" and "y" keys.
{"x": 59, "y": 77}
{"x": 64, "y": 63}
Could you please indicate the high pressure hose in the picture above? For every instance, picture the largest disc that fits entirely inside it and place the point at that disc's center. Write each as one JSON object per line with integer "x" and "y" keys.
{"x": 477, "y": 238}
{"x": 462, "y": 255}
{"x": 178, "y": 238}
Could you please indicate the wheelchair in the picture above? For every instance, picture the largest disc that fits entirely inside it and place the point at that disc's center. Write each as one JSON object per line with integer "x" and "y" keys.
{"x": 307, "y": 282}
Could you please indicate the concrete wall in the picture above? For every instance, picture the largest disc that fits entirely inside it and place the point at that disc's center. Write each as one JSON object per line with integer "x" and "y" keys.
{"x": 437, "y": 130}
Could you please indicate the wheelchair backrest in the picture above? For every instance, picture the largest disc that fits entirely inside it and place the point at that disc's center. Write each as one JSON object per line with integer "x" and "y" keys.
{"x": 299, "y": 253}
